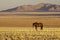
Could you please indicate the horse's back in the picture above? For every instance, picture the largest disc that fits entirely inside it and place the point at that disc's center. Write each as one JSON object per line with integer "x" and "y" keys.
{"x": 40, "y": 24}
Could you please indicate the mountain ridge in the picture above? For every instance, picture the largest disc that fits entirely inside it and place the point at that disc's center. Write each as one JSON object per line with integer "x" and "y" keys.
{"x": 41, "y": 7}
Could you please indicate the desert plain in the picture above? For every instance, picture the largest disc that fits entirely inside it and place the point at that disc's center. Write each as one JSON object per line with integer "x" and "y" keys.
{"x": 18, "y": 26}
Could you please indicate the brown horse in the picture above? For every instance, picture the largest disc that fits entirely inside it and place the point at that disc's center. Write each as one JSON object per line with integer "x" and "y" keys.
{"x": 38, "y": 25}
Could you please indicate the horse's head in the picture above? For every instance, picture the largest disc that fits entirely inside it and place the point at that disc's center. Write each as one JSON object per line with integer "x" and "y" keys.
{"x": 34, "y": 24}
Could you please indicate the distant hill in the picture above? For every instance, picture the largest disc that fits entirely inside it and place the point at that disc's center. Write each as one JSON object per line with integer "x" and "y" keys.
{"x": 42, "y": 7}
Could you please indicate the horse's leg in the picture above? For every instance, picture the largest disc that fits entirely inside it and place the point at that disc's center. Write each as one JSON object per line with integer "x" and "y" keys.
{"x": 36, "y": 28}
{"x": 41, "y": 27}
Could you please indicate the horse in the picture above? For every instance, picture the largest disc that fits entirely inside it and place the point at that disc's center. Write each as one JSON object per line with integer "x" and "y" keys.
{"x": 38, "y": 25}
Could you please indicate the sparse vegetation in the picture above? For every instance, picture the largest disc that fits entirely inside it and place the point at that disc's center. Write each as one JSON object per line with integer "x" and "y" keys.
{"x": 30, "y": 35}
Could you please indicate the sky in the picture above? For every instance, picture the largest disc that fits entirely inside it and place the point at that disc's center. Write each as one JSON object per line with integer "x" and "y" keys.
{"x": 7, "y": 4}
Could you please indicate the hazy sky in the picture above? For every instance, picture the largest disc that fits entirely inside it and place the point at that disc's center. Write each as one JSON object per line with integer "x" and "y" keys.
{"x": 5, "y": 4}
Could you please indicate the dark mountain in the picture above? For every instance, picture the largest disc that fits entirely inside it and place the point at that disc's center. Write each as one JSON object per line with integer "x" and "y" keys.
{"x": 10, "y": 10}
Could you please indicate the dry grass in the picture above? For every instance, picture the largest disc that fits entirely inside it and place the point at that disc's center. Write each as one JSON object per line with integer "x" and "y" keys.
{"x": 30, "y": 35}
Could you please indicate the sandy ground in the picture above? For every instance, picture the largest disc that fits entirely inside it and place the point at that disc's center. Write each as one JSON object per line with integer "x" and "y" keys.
{"x": 25, "y": 22}
{"x": 27, "y": 29}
